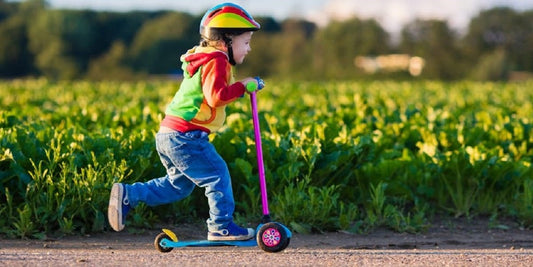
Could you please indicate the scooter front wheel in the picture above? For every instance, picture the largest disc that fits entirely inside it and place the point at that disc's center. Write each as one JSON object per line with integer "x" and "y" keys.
{"x": 273, "y": 237}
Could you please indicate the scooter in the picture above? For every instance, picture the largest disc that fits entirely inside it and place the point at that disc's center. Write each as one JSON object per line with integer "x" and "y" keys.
{"x": 270, "y": 236}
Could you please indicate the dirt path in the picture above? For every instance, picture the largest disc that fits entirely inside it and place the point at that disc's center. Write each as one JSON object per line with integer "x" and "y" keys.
{"x": 467, "y": 245}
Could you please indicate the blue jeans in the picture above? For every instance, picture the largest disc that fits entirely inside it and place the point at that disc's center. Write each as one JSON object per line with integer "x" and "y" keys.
{"x": 190, "y": 160}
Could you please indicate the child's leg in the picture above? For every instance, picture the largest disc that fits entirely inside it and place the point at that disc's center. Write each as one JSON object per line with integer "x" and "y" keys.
{"x": 196, "y": 158}
{"x": 154, "y": 192}
{"x": 167, "y": 189}
{"x": 159, "y": 191}
{"x": 170, "y": 188}
{"x": 214, "y": 177}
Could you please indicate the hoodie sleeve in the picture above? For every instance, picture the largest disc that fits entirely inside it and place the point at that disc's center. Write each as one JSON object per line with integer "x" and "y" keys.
{"x": 215, "y": 76}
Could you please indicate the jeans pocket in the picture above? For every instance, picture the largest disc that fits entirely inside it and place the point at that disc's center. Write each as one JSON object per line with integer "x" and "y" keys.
{"x": 194, "y": 135}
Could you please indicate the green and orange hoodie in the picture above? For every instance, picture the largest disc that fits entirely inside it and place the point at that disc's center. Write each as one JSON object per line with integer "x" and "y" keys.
{"x": 208, "y": 86}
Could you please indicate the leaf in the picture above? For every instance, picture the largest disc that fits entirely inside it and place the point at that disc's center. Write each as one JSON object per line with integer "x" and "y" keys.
{"x": 300, "y": 228}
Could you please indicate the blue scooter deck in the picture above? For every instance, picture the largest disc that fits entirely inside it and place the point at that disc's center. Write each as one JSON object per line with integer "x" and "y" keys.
{"x": 206, "y": 243}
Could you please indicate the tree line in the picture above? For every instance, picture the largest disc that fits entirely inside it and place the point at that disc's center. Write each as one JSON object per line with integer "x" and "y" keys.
{"x": 36, "y": 40}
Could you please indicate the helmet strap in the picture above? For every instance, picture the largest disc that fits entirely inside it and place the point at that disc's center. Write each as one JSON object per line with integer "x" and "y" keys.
{"x": 228, "y": 42}
{"x": 230, "y": 55}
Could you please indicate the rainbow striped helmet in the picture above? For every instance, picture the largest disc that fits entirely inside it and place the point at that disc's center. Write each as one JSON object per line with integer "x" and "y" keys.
{"x": 227, "y": 17}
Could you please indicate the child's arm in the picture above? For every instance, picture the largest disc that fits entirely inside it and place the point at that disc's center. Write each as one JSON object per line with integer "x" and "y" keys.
{"x": 217, "y": 91}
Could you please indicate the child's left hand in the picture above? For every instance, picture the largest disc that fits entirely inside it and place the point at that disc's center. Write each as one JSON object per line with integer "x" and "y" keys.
{"x": 260, "y": 83}
{"x": 253, "y": 84}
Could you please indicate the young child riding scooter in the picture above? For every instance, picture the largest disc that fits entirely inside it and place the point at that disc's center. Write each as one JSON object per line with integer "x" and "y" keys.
{"x": 198, "y": 109}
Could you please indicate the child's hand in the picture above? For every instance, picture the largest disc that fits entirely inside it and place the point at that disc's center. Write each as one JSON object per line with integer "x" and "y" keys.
{"x": 253, "y": 84}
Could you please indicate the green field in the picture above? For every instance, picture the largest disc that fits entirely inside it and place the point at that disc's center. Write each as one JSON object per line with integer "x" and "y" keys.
{"x": 339, "y": 155}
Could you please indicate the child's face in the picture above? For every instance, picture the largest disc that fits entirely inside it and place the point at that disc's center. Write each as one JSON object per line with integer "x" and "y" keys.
{"x": 241, "y": 46}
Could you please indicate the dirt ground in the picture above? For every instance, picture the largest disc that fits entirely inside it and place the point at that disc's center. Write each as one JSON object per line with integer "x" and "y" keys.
{"x": 453, "y": 243}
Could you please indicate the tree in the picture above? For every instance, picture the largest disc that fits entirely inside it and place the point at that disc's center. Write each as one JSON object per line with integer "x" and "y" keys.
{"x": 501, "y": 29}
{"x": 268, "y": 25}
{"x": 111, "y": 65}
{"x": 159, "y": 43}
{"x": 293, "y": 50}
{"x": 340, "y": 42}
{"x": 7, "y": 9}
{"x": 62, "y": 42}
{"x": 434, "y": 41}
{"x": 15, "y": 58}
{"x": 526, "y": 61}
{"x": 491, "y": 67}
{"x": 119, "y": 26}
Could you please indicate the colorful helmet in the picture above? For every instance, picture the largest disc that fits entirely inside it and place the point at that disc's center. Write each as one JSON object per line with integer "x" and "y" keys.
{"x": 229, "y": 17}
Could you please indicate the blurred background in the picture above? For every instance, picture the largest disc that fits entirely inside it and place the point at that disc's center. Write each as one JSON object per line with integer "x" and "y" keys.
{"x": 299, "y": 39}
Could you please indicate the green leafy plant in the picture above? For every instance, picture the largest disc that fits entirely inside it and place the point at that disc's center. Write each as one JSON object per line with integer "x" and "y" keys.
{"x": 338, "y": 155}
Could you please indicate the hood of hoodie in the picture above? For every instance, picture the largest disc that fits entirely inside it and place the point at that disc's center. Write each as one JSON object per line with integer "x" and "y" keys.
{"x": 198, "y": 56}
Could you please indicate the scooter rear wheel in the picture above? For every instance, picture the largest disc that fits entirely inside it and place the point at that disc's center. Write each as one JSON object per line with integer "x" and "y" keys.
{"x": 273, "y": 237}
{"x": 157, "y": 243}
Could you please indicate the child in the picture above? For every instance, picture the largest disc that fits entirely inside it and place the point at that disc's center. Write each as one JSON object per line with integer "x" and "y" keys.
{"x": 198, "y": 109}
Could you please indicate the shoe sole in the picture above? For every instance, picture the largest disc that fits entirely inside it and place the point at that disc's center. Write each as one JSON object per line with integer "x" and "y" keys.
{"x": 114, "y": 210}
{"x": 250, "y": 235}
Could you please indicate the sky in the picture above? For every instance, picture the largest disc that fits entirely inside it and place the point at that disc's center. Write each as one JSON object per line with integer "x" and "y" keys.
{"x": 391, "y": 14}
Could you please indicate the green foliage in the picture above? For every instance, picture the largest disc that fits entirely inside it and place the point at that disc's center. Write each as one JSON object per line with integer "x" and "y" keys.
{"x": 36, "y": 40}
{"x": 305, "y": 207}
{"x": 524, "y": 203}
{"x": 340, "y": 42}
{"x": 23, "y": 225}
{"x": 159, "y": 43}
{"x": 423, "y": 37}
{"x": 338, "y": 155}
{"x": 15, "y": 59}
{"x": 60, "y": 39}
{"x": 491, "y": 67}
{"x": 111, "y": 64}
{"x": 62, "y": 150}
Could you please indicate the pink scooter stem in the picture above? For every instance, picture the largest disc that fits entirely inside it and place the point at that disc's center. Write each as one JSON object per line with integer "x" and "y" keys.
{"x": 259, "y": 150}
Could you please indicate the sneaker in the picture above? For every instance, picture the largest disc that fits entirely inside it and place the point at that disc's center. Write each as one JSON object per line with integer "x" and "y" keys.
{"x": 118, "y": 207}
{"x": 233, "y": 232}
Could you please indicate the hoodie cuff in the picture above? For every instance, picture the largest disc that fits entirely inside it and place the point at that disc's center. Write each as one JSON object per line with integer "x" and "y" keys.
{"x": 238, "y": 88}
